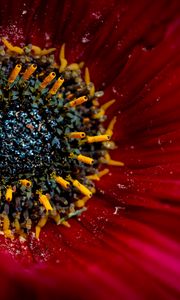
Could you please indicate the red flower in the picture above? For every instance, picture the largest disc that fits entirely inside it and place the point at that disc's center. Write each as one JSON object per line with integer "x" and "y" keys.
{"x": 127, "y": 244}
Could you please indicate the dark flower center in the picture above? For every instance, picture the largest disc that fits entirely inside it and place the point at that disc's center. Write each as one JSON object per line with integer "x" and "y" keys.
{"x": 52, "y": 139}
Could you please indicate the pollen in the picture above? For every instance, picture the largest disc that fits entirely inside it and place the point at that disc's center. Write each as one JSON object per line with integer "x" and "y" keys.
{"x": 53, "y": 140}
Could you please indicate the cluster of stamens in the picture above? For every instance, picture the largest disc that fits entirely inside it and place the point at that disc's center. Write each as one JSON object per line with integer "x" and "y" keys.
{"x": 52, "y": 139}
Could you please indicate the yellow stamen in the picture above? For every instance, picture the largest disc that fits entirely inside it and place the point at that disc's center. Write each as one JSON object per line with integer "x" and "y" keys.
{"x": 66, "y": 224}
{"x": 47, "y": 80}
{"x": 6, "y": 222}
{"x": 81, "y": 202}
{"x": 56, "y": 86}
{"x": 93, "y": 177}
{"x": 81, "y": 64}
{"x": 17, "y": 225}
{"x": 29, "y": 71}
{"x": 92, "y": 90}
{"x": 84, "y": 190}
{"x": 12, "y": 48}
{"x": 98, "y": 138}
{"x": 85, "y": 159}
{"x": 73, "y": 67}
{"x": 42, "y": 222}
{"x": 25, "y": 182}
{"x": 110, "y": 128}
{"x": 78, "y": 101}
{"x": 62, "y": 59}
{"x": 98, "y": 175}
{"x": 64, "y": 183}
{"x": 103, "y": 172}
{"x": 107, "y": 160}
{"x": 103, "y": 109}
{"x": 77, "y": 135}
{"x": 14, "y": 73}
{"x": 9, "y": 193}
{"x": 87, "y": 76}
{"x": 37, "y": 51}
{"x": 43, "y": 199}
{"x": 106, "y": 105}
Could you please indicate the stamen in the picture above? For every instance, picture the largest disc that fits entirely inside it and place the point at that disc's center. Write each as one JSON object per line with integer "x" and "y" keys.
{"x": 85, "y": 159}
{"x": 47, "y": 80}
{"x": 98, "y": 175}
{"x": 11, "y": 48}
{"x": 40, "y": 224}
{"x": 62, "y": 59}
{"x": 77, "y": 135}
{"x": 25, "y": 182}
{"x": 110, "y": 128}
{"x": 43, "y": 199}
{"x": 107, "y": 160}
{"x": 87, "y": 76}
{"x": 29, "y": 71}
{"x": 81, "y": 202}
{"x": 9, "y": 193}
{"x": 77, "y": 101}
{"x": 64, "y": 183}
{"x": 37, "y": 51}
{"x": 56, "y": 86}
{"x": 103, "y": 109}
{"x": 98, "y": 138}
{"x": 84, "y": 190}
{"x": 15, "y": 72}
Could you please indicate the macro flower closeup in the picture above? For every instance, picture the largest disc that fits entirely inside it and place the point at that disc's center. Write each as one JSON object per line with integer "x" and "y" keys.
{"x": 126, "y": 245}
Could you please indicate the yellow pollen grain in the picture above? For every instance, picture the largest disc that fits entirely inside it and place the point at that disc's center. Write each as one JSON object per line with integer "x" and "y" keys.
{"x": 64, "y": 183}
{"x": 63, "y": 61}
{"x": 29, "y": 71}
{"x": 15, "y": 72}
{"x": 85, "y": 159}
{"x": 98, "y": 138}
{"x": 56, "y": 86}
{"x": 25, "y": 182}
{"x": 47, "y": 80}
{"x": 84, "y": 190}
{"x": 77, "y": 135}
{"x": 8, "y": 195}
{"x": 78, "y": 101}
{"x": 43, "y": 199}
{"x": 12, "y": 48}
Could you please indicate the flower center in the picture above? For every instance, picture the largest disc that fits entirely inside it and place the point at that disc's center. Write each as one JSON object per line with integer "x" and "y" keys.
{"x": 52, "y": 139}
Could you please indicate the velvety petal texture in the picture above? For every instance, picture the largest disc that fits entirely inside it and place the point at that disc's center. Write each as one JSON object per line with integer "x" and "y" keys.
{"x": 127, "y": 244}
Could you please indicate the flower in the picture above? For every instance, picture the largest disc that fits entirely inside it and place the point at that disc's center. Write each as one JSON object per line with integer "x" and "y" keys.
{"x": 127, "y": 243}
